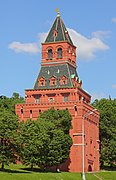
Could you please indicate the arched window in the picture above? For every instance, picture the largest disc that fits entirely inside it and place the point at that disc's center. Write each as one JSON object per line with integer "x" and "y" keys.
{"x": 59, "y": 53}
{"x": 49, "y": 53}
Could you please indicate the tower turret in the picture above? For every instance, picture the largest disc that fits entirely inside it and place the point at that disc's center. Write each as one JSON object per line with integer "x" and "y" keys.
{"x": 58, "y": 46}
{"x": 58, "y": 68}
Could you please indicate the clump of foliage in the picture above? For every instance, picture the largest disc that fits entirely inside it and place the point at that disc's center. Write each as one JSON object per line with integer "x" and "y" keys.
{"x": 9, "y": 103}
{"x": 107, "y": 108}
{"x": 8, "y": 128}
{"x": 46, "y": 142}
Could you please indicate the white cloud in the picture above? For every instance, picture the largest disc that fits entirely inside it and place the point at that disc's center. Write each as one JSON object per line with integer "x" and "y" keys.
{"x": 32, "y": 48}
{"x": 101, "y": 34}
{"x": 114, "y": 20}
{"x": 114, "y": 86}
{"x": 97, "y": 96}
{"x": 87, "y": 47}
{"x": 42, "y": 37}
{"x": 19, "y": 47}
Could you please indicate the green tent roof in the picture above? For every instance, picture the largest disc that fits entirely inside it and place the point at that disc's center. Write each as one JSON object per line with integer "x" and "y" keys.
{"x": 58, "y": 32}
{"x": 57, "y": 71}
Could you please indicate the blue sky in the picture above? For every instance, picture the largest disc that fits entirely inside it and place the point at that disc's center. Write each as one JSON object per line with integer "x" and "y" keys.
{"x": 92, "y": 26}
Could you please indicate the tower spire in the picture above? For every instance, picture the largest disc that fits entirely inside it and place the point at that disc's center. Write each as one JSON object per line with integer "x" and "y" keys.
{"x": 58, "y": 31}
{"x": 58, "y": 12}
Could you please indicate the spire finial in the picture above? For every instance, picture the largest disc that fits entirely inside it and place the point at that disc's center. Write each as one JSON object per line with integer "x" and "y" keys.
{"x": 57, "y": 10}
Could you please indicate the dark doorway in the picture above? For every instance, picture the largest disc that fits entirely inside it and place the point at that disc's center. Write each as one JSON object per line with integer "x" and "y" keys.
{"x": 89, "y": 168}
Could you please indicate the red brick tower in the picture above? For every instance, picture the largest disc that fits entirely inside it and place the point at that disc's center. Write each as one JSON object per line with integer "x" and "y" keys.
{"x": 59, "y": 86}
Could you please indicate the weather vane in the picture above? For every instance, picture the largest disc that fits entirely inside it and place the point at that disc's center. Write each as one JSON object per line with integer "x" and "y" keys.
{"x": 57, "y": 10}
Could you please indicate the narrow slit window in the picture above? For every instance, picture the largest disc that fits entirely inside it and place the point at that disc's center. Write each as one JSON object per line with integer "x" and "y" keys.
{"x": 30, "y": 111}
{"x": 53, "y": 83}
{"x": 21, "y": 110}
{"x": 42, "y": 83}
{"x": 65, "y": 98}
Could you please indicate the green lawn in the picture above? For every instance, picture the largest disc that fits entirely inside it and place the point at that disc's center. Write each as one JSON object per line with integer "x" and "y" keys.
{"x": 17, "y": 172}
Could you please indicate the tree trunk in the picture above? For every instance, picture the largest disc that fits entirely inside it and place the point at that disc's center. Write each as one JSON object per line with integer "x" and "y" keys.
{"x": 111, "y": 165}
{"x": 2, "y": 143}
{"x": 2, "y": 167}
{"x": 32, "y": 167}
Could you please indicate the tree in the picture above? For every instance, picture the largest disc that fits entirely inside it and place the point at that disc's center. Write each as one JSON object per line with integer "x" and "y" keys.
{"x": 58, "y": 148}
{"x": 45, "y": 142}
{"x": 15, "y": 99}
{"x": 60, "y": 118}
{"x": 33, "y": 141}
{"x": 9, "y": 103}
{"x": 57, "y": 125}
{"x": 8, "y": 128}
{"x": 107, "y": 108}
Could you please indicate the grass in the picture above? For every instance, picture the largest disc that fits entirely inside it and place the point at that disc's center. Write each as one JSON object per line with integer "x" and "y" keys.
{"x": 19, "y": 172}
